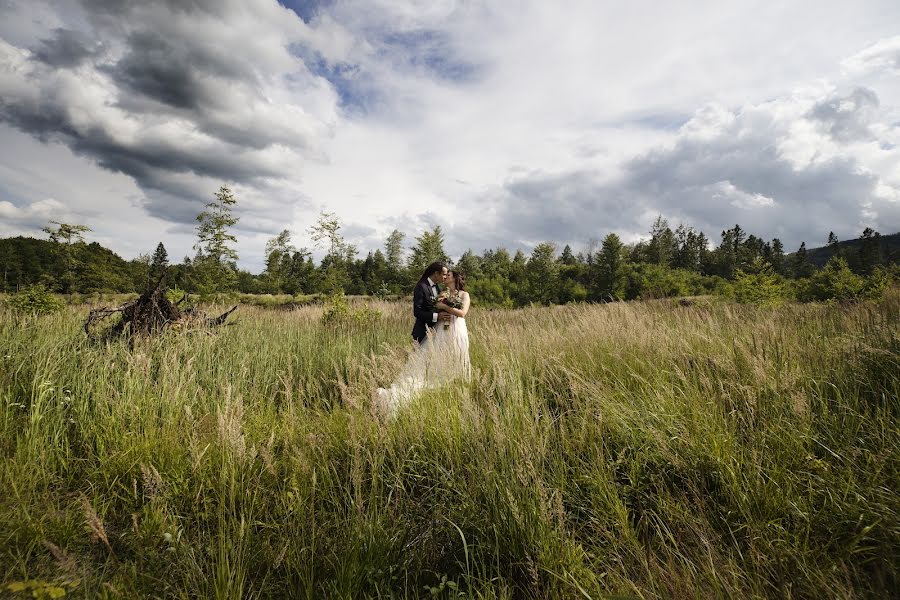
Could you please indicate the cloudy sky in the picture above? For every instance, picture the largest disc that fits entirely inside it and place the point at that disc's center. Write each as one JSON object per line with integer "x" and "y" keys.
{"x": 508, "y": 122}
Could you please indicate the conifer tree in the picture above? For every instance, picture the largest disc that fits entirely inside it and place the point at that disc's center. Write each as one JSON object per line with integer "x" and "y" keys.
{"x": 159, "y": 264}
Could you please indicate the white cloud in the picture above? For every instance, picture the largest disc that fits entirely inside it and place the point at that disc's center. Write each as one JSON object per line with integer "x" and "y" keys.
{"x": 34, "y": 215}
{"x": 506, "y": 123}
{"x": 882, "y": 56}
{"x": 725, "y": 191}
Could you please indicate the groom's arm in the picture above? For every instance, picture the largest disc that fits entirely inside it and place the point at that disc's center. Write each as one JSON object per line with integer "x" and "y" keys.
{"x": 421, "y": 310}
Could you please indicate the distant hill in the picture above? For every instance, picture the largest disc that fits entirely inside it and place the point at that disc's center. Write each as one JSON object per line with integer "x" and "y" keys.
{"x": 890, "y": 250}
{"x": 26, "y": 261}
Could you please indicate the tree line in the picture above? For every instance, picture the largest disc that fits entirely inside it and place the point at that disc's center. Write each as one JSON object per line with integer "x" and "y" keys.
{"x": 671, "y": 262}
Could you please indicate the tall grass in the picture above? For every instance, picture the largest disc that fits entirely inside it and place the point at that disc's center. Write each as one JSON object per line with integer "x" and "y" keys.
{"x": 643, "y": 450}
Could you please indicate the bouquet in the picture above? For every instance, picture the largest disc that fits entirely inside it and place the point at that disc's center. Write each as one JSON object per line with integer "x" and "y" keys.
{"x": 451, "y": 300}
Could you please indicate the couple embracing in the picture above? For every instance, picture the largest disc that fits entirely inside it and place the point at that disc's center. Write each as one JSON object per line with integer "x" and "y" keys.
{"x": 441, "y": 338}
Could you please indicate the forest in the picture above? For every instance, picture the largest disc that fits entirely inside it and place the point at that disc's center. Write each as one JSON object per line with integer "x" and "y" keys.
{"x": 669, "y": 262}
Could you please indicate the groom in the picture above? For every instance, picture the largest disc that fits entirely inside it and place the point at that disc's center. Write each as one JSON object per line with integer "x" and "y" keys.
{"x": 424, "y": 297}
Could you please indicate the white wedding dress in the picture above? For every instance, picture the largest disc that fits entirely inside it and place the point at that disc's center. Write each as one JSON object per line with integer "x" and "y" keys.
{"x": 441, "y": 358}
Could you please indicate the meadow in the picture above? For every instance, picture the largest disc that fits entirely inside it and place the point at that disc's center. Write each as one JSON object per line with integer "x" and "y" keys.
{"x": 645, "y": 450}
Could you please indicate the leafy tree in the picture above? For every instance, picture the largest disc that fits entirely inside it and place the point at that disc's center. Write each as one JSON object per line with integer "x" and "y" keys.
{"x": 543, "y": 274}
{"x": 301, "y": 274}
{"x": 141, "y": 270}
{"x": 662, "y": 246}
{"x": 610, "y": 268}
{"x": 372, "y": 272}
{"x": 496, "y": 263}
{"x": 491, "y": 291}
{"x": 66, "y": 233}
{"x": 517, "y": 279}
{"x": 335, "y": 266}
{"x": 216, "y": 260}
{"x": 278, "y": 260}
{"x": 65, "y": 237}
{"x": 328, "y": 230}
{"x": 393, "y": 254}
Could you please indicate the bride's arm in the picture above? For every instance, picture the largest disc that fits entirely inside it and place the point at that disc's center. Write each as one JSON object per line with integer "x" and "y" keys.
{"x": 457, "y": 312}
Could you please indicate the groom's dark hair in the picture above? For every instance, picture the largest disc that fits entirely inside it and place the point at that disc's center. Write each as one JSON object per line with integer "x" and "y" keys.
{"x": 431, "y": 269}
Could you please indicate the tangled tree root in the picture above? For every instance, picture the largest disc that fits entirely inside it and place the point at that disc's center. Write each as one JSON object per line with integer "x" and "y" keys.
{"x": 150, "y": 314}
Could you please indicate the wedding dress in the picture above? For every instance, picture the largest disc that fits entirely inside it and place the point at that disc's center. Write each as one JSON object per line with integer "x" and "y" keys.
{"x": 441, "y": 358}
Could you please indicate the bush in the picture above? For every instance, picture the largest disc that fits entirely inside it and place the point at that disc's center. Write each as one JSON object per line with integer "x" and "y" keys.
{"x": 648, "y": 281}
{"x": 36, "y": 300}
{"x": 834, "y": 282}
{"x": 383, "y": 292}
{"x": 759, "y": 285}
{"x": 338, "y": 313}
{"x": 879, "y": 281}
{"x": 490, "y": 291}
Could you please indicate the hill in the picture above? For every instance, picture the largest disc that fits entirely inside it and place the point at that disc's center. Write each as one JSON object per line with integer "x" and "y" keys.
{"x": 890, "y": 250}
{"x": 26, "y": 261}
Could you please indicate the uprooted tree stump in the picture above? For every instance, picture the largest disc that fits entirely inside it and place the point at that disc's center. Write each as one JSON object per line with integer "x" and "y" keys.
{"x": 150, "y": 314}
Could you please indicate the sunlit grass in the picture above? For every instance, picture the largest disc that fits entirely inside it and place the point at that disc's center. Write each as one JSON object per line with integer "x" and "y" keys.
{"x": 644, "y": 449}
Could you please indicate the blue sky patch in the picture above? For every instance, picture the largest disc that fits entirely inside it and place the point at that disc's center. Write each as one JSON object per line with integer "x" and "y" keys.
{"x": 305, "y": 9}
{"x": 429, "y": 51}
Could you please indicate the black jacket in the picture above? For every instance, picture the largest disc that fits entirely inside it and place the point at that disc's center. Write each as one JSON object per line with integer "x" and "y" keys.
{"x": 423, "y": 309}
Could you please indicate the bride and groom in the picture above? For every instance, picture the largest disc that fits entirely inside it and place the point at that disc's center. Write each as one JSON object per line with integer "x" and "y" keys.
{"x": 441, "y": 337}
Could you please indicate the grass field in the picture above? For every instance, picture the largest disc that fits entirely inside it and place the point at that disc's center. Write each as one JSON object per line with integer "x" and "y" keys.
{"x": 644, "y": 450}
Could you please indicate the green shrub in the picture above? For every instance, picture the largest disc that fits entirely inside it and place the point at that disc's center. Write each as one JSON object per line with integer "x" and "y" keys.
{"x": 35, "y": 300}
{"x": 490, "y": 291}
{"x": 759, "y": 285}
{"x": 383, "y": 292}
{"x": 338, "y": 313}
{"x": 834, "y": 282}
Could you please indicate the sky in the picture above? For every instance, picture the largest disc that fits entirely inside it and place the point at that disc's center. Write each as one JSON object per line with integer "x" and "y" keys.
{"x": 507, "y": 122}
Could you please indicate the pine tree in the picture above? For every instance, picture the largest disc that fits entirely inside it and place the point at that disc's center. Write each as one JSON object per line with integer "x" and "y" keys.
{"x": 869, "y": 254}
{"x": 470, "y": 264}
{"x": 776, "y": 256}
{"x": 159, "y": 265}
{"x": 800, "y": 265}
{"x": 429, "y": 248}
{"x": 567, "y": 258}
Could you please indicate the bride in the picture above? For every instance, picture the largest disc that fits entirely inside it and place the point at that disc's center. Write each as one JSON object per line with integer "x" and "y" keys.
{"x": 441, "y": 357}
{"x": 451, "y": 338}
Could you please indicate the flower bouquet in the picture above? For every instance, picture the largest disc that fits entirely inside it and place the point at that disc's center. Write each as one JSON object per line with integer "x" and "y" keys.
{"x": 451, "y": 300}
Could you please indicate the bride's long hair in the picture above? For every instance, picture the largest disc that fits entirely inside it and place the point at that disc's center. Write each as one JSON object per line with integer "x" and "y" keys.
{"x": 459, "y": 279}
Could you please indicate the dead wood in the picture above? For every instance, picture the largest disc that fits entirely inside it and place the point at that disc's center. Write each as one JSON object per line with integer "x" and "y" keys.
{"x": 150, "y": 314}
